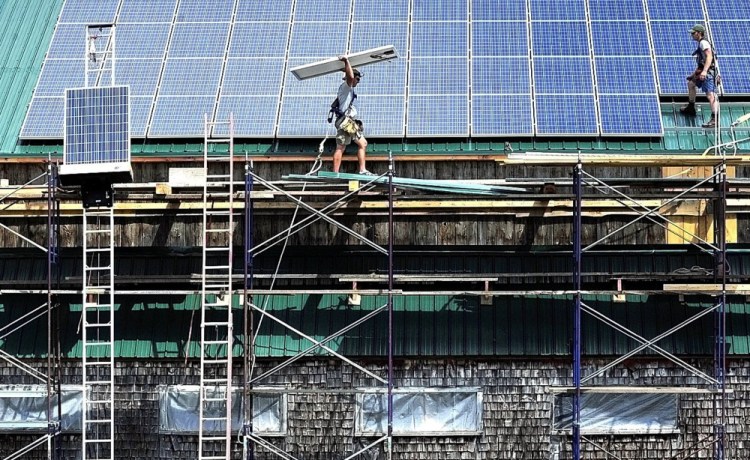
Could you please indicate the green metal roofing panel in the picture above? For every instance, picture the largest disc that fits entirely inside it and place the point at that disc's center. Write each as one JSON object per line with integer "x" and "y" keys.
{"x": 424, "y": 326}
{"x": 25, "y": 32}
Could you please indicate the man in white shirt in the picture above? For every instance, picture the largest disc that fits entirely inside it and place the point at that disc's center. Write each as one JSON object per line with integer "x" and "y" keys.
{"x": 349, "y": 127}
{"x": 704, "y": 76}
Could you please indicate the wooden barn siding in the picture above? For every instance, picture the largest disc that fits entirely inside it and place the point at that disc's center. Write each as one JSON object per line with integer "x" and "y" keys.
{"x": 516, "y": 415}
{"x": 444, "y": 228}
{"x": 180, "y": 231}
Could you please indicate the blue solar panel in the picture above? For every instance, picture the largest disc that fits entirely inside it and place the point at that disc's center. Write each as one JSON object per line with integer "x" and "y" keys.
{"x": 500, "y": 76}
{"x": 734, "y": 74}
{"x": 97, "y": 126}
{"x": 327, "y": 84}
{"x": 570, "y": 10}
{"x": 728, "y": 9}
{"x": 58, "y": 74}
{"x": 68, "y": 42}
{"x": 140, "y": 109}
{"x": 672, "y": 72}
{"x": 440, "y": 10}
{"x": 318, "y": 39}
{"x": 566, "y": 115}
{"x": 144, "y": 41}
{"x": 277, "y": 10}
{"x": 439, "y": 76}
{"x": 203, "y": 11}
{"x": 199, "y": 40}
{"x": 675, "y": 9}
{"x": 141, "y": 75}
{"x": 392, "y": 10}
{"x": 253, "y": 116}
{"x": 259, "y": 39}
{"x": 305, "y": 116}
{"x": 181, "y": 116}
{"x": 496, "y": 10}
{"x": 567, "y": 75}
{"x": 191, "y": 77}
{"x": 501, "y": 115}
{"x": 672, "y": 38}
{"x": 386, "y": 78}
{"x": 620, "y": 38}
{"x": 383, "y": 116}
{"x": 608, "y": 10}
{"x": 317, "y": 10}
{"x": 439, "y": 39}
{"x": 438, "y": 116}
{"x": 45, "y": 118}
{"x": 548, "y": 38}
{"x": 613, "y": 75}
{"x": 253, "y": 77}
{"x": 368, "y": 35}
{"x": 147, "y": 11}
{"x": 88, "y": 12}
{"x": 499, "y": 39}
{"x": 731, "y": 38}
{"x": 630, "y": 115}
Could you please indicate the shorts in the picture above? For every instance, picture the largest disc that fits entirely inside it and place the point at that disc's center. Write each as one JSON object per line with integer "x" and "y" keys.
{"x": 708, "y": 85}
{"x": 345, "y": 138}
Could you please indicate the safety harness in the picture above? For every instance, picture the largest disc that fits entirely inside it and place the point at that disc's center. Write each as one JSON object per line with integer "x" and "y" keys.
{"x": 700, "y": 57}
{"x": 337, "y": 111}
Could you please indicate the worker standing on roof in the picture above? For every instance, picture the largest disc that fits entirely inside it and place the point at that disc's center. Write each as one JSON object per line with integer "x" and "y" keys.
{"x": 704, "y": 77}
{"x": 348, "y": 127}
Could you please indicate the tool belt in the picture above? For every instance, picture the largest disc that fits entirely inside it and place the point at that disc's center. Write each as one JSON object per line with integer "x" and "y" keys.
{"x": 349, "y": 125}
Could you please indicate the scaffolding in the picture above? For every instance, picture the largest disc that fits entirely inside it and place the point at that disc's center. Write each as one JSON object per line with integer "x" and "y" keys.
{"x": 252, "y": 440}
{"x": 714, "y": 385}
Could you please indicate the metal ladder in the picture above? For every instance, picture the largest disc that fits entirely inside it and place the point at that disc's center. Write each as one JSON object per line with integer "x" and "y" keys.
{"x": 98, "y": 326}
{"x": 215, "y": 414}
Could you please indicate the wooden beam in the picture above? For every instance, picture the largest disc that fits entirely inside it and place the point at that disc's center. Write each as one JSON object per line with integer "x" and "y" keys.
{"x": 707, "y": 288}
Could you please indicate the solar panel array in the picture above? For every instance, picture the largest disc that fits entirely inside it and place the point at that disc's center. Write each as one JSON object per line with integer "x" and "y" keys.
{"x": 467, "y": 67}
{"x": 96, "y": 126}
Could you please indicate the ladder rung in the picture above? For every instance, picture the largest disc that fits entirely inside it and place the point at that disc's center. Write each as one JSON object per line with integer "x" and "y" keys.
{"x": 89, "y": 268}
{"x": 216, "y": 323}
{"x": 215, "y": 342}
{"x": 216, "y": 249}
{"x": 98, "y": 250}
{"x": 96, "y": 324}
{"x": 94, "y": 232}
{"x": 98, "y": 441}
{"x": 107, "y": 420}
{"x": 225, "y": 381}
{"x": 218, "y": 230}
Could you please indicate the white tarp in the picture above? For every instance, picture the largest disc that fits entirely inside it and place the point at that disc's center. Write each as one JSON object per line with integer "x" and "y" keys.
{"x": 421, "y": 411}
{"x": 24, "y": 408}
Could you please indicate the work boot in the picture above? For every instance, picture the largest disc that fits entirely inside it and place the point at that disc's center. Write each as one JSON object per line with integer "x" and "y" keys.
{"x": 688, "y": 110}
{"x": 711, "y": 123}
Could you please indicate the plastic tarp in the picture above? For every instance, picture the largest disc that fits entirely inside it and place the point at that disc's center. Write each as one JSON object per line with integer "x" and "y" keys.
{"x": 421, "y": 411}
{"x": 24, "y": 408}
{"x": 178, "y": 411}
{"x": 619, "y": 413}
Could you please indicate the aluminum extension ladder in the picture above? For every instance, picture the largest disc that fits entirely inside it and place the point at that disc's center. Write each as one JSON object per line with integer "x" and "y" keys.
{"x": 98, "y": 326}
{"x": 215, "y": 414}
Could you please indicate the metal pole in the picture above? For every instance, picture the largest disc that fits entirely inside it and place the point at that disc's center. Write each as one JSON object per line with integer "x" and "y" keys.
{"x": 577, "y": 173}
{"x": 390, "y": 304}
{"x": 248, "y": 319}
{"x": 720, "y": 350}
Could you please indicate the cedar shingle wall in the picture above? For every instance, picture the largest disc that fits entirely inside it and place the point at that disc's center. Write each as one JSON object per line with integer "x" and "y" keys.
{"x": 516, "y": 415}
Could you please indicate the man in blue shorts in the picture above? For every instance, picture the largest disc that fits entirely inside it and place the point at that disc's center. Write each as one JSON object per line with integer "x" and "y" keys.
{"x": 704, "y": 77}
